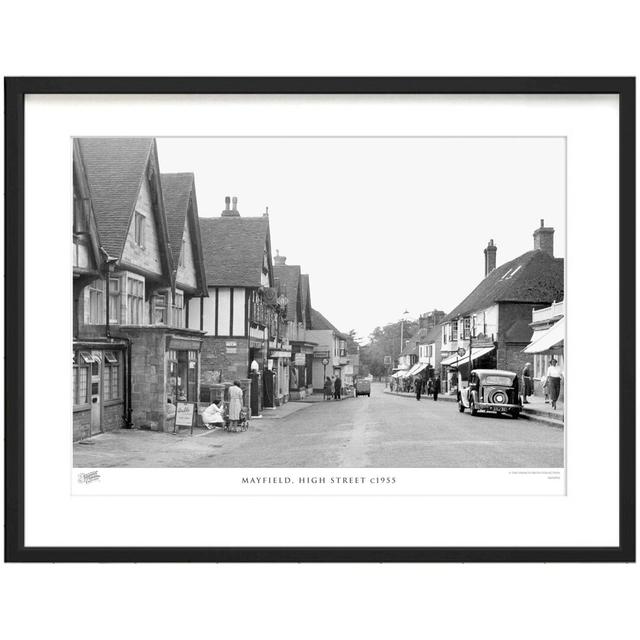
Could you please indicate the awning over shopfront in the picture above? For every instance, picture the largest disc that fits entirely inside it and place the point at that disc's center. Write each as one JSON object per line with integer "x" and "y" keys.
{"x": 400, "y": 374}
{"x": 547, "y": 340}
{"x": 417, "y": 368}
{"x": 455, "y": 359}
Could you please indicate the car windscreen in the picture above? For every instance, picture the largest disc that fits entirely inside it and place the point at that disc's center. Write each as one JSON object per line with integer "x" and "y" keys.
{"x": 503, "y": 380}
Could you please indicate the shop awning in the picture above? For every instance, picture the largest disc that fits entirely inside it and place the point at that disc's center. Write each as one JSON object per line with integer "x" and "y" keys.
{"x": 417, "y": 368}
{"x": 475, "y": 354}
{"x": 548, "y": 339}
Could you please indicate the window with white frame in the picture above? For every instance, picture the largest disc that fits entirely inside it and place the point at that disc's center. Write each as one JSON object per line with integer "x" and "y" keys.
{"x": 115, "y": 303}
{"x": 112, "y": 376}
{"x": 429, "y": 350}
{"x": 135, "y": 301}
{"x": 96, "y": 302}
{"x": 80, "y": 381}
{"x": 138, "y": 231}
{"x": 454, "y": 331}
{"x": 466, "y": 328}
{"x": 178, "y": 309}
{"x": 160, "y": 308}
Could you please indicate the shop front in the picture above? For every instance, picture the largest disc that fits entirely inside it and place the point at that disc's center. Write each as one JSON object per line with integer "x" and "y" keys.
{"x": 99, "y": 387}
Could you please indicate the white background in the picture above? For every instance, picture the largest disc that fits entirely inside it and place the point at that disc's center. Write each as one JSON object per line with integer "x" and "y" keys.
{"x": 490, "y": 38}
{"x": 587, "y": 516}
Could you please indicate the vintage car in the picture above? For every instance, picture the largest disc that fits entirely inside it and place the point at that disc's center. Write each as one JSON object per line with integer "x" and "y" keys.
{"x": 363, "y": 387}
{"x": 490, "y": 390}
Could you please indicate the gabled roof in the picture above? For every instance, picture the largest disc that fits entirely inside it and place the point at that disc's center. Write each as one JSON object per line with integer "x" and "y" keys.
{"x": 115, "y": 168}
{"x": 305, "y": 289}
{"x": 178, "y": 189}
{"x": 233, "y": 249}
{"x": 289, "y": 276}
{"x": 534, "y": 277}
{"x": 319, "y": 322}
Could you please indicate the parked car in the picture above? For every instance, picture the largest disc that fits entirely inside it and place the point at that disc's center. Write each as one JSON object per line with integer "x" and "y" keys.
{"x": 363, "y": 387}
{"x": 490, "y": 390}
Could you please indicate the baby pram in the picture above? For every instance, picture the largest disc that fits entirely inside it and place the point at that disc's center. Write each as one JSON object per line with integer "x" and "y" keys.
{"x": 243, "y": 422}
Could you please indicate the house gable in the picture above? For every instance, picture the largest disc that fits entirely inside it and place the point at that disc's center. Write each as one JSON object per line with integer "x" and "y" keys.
{"x": 142, "y": 245}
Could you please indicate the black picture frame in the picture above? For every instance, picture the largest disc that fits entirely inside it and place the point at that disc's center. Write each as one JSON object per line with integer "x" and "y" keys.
{"x": 15, "y": 91}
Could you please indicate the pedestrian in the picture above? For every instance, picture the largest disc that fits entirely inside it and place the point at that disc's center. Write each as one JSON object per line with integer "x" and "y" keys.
{"x": 527, "y": 383}
{"x": 554, "y": 375}
{"x": 391, "y": 384}
{"x": 436, "y": 387}
{"x": 544, "y": 381}
{"x": 212, "y": 416}
{"x": 337, "y": 388}
{"x": 430, "y": 386}
{"x": 235, "y": 404}
{"x": 417, "y": 383}
{"x": 328, "y": 389}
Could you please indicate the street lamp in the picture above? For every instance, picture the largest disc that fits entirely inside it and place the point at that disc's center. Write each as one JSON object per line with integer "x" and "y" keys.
{"x": 404, "y": 315}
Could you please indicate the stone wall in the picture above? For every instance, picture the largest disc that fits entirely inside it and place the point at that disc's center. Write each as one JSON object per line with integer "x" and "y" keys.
{"x": 112, "y": 418}
{"x": 148, "y": 373}
{"x": 219, "y": 363}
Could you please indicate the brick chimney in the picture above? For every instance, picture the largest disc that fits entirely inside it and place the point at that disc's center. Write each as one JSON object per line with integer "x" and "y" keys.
{"x": 490, "y": 258}
{"x": 228, "y": 211}
{"x": 543, "y": 239}
{"x": 279, "y": 260}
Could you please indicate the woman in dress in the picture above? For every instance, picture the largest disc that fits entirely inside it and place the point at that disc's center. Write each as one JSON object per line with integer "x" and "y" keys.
{"x": 554, "y": 375}
{"x": 212, "y": 416}
{"x": 235, "y": 404}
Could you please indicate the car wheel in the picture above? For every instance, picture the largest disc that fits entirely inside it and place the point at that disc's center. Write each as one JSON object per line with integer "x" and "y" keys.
{"x": 460, "y": 406}
{"x": 472, "y": 408}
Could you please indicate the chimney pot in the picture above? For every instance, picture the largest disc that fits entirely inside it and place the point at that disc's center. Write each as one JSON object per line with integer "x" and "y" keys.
{"x": 490, "y": 258}
{"x": 228, "y": 211}
{"x": 543, "y": 239}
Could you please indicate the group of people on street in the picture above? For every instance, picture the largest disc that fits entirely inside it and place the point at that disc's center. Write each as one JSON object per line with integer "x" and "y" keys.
{"x": 431, "y": 386}
{"x": 551, "y": 382}
{"x": 333, "y": 388}
{"x": 419, "y": 385}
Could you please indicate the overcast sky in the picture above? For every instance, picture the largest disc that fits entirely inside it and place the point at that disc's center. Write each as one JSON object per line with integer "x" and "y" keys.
{"x": 384, "y": 224}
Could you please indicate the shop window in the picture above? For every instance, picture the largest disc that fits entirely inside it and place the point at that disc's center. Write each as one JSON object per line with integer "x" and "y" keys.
{"x": 135, "y": 301}
{"x": 96, "y": 302}
{"x": 80, "y": 384}
{"x": 114, "y": 300}
{"x": 111, "y": 384}
{"x": 160, "y": 308}
{"x": 139, "y": 224}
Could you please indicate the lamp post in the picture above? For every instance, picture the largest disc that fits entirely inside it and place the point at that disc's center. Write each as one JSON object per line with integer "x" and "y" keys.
{"x": 404, "y": 315}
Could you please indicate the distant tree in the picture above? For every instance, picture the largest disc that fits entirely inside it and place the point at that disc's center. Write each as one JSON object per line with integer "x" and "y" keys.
{"x": 385, "y": 341}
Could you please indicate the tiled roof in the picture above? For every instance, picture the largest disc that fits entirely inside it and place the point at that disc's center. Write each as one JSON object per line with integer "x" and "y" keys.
{"x": 115, "y": 168}
{"x": 306, "y": 297}
{"x": 427, "y": 336}
{"x": 176, "y": 189}
{"x": 233, "y": 249}
{"x": 318, "y": 321}
{"x": 534, "y": 277}
{"x": 289, "y": 276}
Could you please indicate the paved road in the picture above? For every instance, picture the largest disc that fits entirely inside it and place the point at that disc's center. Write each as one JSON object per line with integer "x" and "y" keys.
{"x": 381, "y": 431}
{"x": 389, "y": 431}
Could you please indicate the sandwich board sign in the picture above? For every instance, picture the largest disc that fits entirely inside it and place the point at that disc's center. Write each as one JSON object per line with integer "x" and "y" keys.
{"x": 185, "y": 414}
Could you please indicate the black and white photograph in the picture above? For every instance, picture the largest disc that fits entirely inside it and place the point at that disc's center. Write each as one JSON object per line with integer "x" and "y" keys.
{"x": 319, "y": 302}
